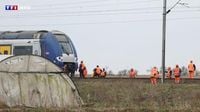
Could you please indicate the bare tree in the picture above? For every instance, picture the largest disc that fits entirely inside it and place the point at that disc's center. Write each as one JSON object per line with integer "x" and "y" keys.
{"x": 123, "y": 72}
{"x": 110, "y": 73}
{"x": 184, "y": 71}
{"x": 197, "y": 72}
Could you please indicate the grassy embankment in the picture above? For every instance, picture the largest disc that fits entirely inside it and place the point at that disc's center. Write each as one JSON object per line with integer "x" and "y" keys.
{"x": 135, "y": 95}
{"x": 126, "y": 95}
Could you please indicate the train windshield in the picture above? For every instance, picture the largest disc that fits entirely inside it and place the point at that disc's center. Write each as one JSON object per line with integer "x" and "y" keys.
{"x": 65, "y": 44}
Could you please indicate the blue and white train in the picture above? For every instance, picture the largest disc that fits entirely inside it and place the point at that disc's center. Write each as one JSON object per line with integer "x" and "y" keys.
{"x": 52, "y": 45}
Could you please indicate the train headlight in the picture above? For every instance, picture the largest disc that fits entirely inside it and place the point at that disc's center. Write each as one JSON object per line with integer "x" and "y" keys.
{"x": 59, "y": 58}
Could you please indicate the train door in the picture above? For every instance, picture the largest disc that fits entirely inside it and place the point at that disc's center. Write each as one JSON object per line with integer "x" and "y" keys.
{"x": 36, "y": 47}
{"x": 5, "y": 49}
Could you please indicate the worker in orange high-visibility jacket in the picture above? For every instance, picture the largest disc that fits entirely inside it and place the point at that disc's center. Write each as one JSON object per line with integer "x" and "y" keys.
{"x": 103, "y": 73}
{"x": 191, "y": 69}
{"x": 154, "y": 75}
{"x": 85, "y": 72}
{"x": 81, "y": 69}
{"x": 132, "y": 73}
{"x": 97, "y": 71}
{"x": 177, "y": 74}
{"x": 169, "y": 72}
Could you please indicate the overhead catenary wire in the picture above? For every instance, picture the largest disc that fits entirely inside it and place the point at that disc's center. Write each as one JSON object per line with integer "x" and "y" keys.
{"x": 102, "y": 22}
{"x": 84, "y": 6}
{"x": 102, "y": 14}
{"x": 91, "y": 11}
{"x": 144, "y": 10}
{"x": 66, "y": 7}
{"x": 99, "y": 12}
{"x": 60, "y": 9}
{"x": 78, "y": 13}
{"x": 90, "y": 3}
{"x": 173, "y": 6}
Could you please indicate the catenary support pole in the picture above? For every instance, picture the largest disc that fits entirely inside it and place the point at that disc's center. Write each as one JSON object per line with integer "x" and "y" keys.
{"x": 163, "y": 39}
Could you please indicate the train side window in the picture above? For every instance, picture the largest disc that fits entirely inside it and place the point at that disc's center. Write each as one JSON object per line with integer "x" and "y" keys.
{"x": 22, "y": 50}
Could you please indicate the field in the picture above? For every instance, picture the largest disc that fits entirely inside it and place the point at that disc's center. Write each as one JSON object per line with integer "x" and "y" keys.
{"x": 132, "y": 95}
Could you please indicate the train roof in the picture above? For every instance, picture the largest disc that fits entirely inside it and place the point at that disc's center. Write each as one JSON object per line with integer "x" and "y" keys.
{"x": 56, "y": 32}
{"x": 21, "y": 34}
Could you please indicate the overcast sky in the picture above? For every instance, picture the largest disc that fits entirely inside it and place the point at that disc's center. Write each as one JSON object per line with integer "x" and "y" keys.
{"x": 118, "y": 34}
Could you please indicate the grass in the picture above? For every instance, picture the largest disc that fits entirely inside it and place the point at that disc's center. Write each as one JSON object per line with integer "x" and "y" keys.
{"x": 127, "y": 95}
{"x": 136, "y": 95}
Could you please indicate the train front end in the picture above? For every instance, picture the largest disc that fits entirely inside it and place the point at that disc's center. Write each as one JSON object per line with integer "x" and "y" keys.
{"x": 69, "y": 55}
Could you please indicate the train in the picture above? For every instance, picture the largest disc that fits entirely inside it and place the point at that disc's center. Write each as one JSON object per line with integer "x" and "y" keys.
{"x": 55, "y": 46}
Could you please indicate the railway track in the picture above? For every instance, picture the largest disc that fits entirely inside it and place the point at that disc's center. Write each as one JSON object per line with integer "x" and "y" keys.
{"x": 184, "y": 80}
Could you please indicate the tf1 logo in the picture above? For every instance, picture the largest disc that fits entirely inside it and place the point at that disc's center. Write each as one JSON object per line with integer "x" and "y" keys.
{"x": 11, "y": 7}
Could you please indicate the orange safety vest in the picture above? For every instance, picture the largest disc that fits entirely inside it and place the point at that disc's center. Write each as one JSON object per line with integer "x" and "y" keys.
{"x": 85, "y": 72}
{"x": 191, "y": 67}
{"x": 154, "y": 72}
{"x": 103, "y": 74}
{"x": 177, "y": 71}
{"x": 132, "y": 73}
{"x": 169, "y": 73}
{"x": 98, "y": 70}
{"x": 82, "y": 66}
